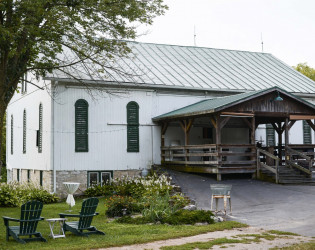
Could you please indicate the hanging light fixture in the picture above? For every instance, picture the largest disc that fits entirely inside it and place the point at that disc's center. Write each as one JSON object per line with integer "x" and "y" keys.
{"x": 278, "y": 98}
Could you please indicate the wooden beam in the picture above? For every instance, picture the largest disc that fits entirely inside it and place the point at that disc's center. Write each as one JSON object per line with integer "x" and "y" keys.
{"x": 247, "y": 122}
{"x": 189, "y": 125}
{"x": 213, "y": 121}
{"x": 224, "y": 121}
{"x": 291, "y": 124}
{"x": 274, "y": 125}
{"x": 183, "y": 125}
{"x": 311, "y": 124}
{"x": 164, "y": 128}
{"x": 302, "y": 117}
{"x": 237, "y": 114}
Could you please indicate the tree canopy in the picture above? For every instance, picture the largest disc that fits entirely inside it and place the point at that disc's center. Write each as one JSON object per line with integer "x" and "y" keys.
{"x": 34, "y": 33}
{"x": 306, "y": 70}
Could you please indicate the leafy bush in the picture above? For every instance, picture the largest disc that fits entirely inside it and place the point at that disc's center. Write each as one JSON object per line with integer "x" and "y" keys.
{"x": 181, "y": 217}
{"x": 179, "y": 200}
{"x": 136, "y": 187}
{"x": 9, "y": 195}
{"x": 98, "y": 190}
{"x": 14, "y": 194}
{"x": 121, "y": 205}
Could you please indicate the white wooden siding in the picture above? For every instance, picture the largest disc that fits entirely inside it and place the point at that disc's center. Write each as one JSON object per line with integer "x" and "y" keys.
{"x": 30, "y": 101}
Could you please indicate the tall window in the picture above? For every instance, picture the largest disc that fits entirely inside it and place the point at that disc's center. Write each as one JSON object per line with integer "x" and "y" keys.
{"x": 81, "y": 126}
{"x": 270, "y": 135}
{"x": 24, "y": 131}
{"x": 41, "y": 177}
{"x": 39, "y": 138}
{"x": 307, "y": 135}
{"x": 132, "y": 127}
{"x": 24, "y": 84}
{"x": 11, "y": 135}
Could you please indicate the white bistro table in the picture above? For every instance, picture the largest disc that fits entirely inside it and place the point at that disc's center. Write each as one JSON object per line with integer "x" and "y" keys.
{"x": 71, "y": 187}
{"x": 52, "y": 223}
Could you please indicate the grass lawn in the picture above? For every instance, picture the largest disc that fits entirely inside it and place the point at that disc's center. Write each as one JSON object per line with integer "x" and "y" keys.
{"x": 116, "y": 234}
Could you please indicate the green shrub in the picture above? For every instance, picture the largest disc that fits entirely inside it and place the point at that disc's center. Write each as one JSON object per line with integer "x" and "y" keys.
{"x": 181, "y": 217}
{"x": 137, "y": 220}
{"x": 9, "y": 195}
{"x": 14, "y": 194}
{"x": 121, "y": 205}
{"x": 156, "y": 207}
{"x": 98, "y": 190}
{"x": 138, "y": 187}
{"x": 179, "y": 201}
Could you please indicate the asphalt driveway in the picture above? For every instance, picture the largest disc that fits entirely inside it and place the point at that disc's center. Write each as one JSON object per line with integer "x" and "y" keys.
{"x": 257, "y": 203}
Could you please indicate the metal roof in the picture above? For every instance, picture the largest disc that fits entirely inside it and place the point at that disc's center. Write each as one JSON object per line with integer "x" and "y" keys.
{"x": 201, "y": 68}
{"x": 217, "y": 104}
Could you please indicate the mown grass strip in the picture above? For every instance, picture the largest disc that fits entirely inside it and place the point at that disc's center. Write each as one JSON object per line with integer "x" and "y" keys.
{"x": 116, "y": 234}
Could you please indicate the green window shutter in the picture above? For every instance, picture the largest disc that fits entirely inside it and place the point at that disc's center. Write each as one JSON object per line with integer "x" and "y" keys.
{"x": 307, "y": 135}
{"x": 81, "y": 126}
{"x": 24, "y": 131}
{"x": 40, "y": 129}
{"x": 11, "y": 135}
{"x": 270, "y": 135}
{"x": 132, "y": 127}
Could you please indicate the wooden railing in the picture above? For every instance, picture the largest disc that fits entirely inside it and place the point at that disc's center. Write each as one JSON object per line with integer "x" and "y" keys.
{"x": 224, "y": 155}
{"x": 236, "y": 155}
{"x": 274, "y": 168}
{"x": 299, "y": 161}
{"x": 206, "y": 154}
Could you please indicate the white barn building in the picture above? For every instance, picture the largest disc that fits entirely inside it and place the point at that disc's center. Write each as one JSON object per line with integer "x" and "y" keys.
{"x": 65, "y": 133}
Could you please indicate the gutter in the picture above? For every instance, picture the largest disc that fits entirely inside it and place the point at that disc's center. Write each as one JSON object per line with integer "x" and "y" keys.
{"x": 52, "y": 150}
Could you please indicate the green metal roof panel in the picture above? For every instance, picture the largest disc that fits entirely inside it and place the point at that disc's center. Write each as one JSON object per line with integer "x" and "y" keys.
{"x": 199, "y": 68}
{"x": 219, "y": 103}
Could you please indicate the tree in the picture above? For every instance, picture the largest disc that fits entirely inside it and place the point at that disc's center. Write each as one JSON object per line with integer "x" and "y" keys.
{"x": 34, "y": 34}
{"x": 306, "y": 70}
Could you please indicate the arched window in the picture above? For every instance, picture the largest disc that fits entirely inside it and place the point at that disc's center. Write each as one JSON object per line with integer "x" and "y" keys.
{"x": 24, "y": 131}
{"x": 81, "y": 126}
{"x": 40, "y": 129}
{"x": 11, "y": 135}
{"x": 132, "y": 127}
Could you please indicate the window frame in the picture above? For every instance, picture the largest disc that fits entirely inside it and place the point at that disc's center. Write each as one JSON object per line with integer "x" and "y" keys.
{"x": 18, "y": 175}
{"x": 99, "y": 176}
{"x": 28, "y": 175}
{"x": 41, "y": 177}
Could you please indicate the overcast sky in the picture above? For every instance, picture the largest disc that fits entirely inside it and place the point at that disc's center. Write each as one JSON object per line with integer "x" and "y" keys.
{"x": 287, "y": 26}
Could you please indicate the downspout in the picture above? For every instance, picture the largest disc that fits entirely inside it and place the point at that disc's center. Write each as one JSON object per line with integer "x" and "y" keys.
{"x": 52, "y": 156}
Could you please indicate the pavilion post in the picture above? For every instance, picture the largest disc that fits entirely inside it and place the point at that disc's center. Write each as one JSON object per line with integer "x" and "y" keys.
{"x": 218, "y": 142}
{"x": 286, "y": 137}
{"x": 163, "y": 131}
{"x": 252, "y": 141}
{"x": 280, "y": 131}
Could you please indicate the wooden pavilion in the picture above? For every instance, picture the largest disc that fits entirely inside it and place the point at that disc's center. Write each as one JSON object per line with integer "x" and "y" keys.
{"x": 241, "y": 112}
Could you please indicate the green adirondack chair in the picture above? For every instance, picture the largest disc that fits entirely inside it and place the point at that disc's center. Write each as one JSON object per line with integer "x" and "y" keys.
{"x": 30, "y": 216}
{"x": 85, "y": 219}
